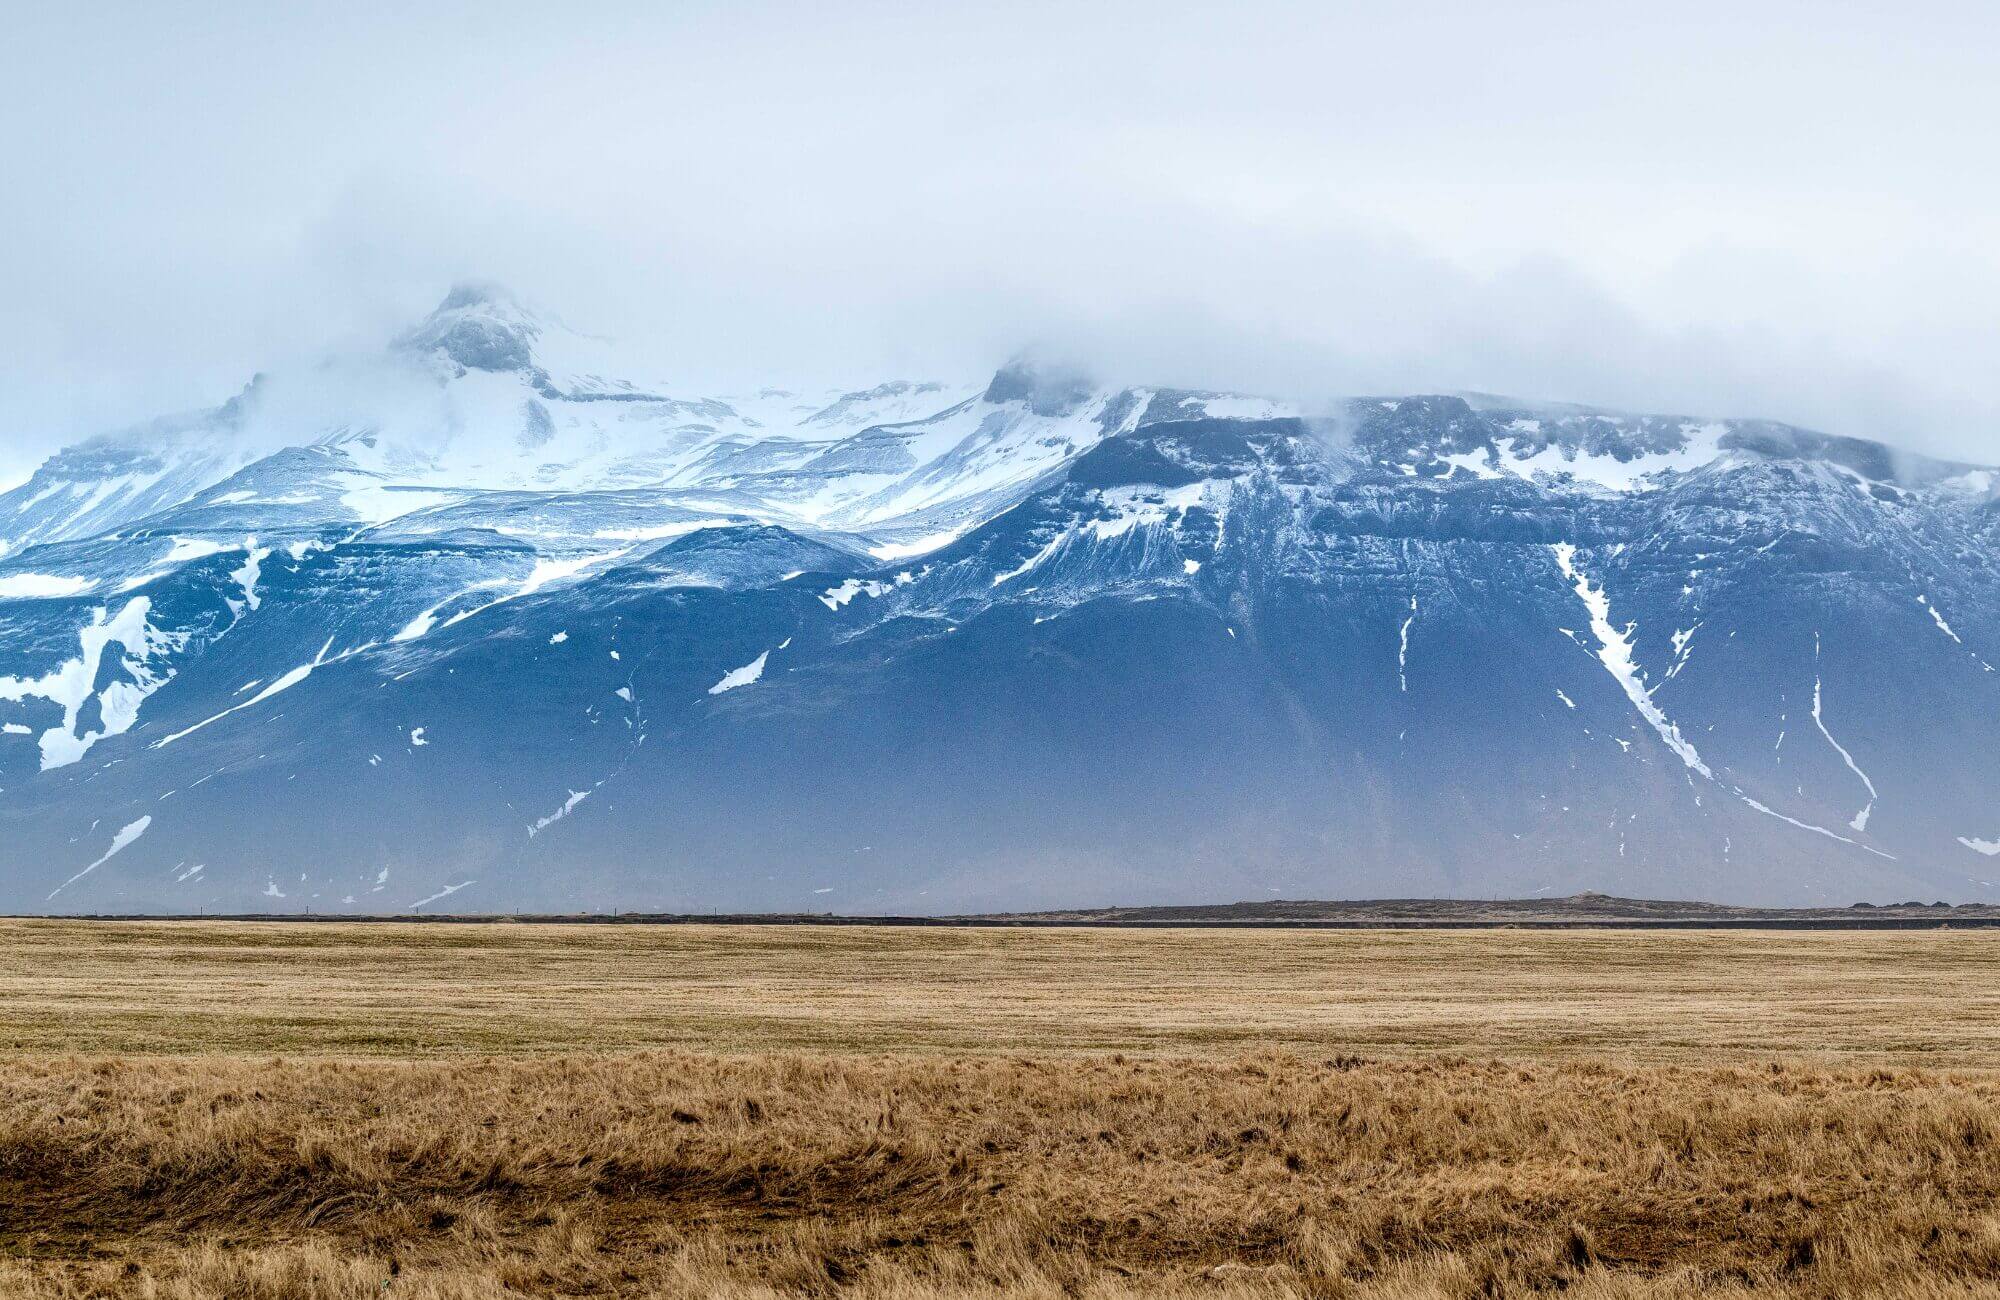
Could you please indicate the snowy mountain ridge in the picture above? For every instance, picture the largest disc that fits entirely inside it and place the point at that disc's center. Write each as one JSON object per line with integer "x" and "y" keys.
{"x": 489, "y": 617}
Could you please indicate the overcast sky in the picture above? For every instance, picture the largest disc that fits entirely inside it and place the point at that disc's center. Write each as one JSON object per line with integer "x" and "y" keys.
{"x": 1774, "y": 209}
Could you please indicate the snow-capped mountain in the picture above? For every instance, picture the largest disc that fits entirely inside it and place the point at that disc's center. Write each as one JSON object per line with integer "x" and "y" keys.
{"x": 496, "y": 620}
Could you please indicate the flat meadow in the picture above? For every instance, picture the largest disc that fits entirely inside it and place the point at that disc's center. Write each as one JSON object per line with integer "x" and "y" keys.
{"x": 198, "y": 1110}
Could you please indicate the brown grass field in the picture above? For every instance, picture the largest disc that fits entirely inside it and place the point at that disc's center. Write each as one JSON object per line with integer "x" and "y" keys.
{"x": 200, "y": 1111}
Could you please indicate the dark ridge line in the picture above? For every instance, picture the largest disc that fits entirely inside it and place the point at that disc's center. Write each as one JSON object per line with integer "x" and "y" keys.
{"x": 982, "y": 923}
{"x": 1577, "y": 912}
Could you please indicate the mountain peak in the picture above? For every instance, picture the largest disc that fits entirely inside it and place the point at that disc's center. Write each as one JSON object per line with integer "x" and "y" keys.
{"x": 481, "y": 326}
{"x": 489, "y": 294}
{"x": 1048, "y": 388}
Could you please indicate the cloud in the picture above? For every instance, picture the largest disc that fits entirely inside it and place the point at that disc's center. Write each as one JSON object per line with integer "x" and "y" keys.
{"x": 1722, "y": 213}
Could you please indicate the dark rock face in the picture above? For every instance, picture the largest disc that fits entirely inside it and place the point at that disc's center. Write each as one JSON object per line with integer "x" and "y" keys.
{"x": 477, "y": 330}
{"x": 1047, "y": 390}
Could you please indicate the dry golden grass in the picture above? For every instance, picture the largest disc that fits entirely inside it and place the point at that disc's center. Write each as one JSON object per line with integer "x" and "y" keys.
{"x": 882, "y": 1176}
{"x": 239, "y": 1112}
{"x": 1927, "y": 998}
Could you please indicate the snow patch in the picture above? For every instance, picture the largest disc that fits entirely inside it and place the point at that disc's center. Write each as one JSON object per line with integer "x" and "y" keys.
{"x": 446, "y": 892}
{"x": 1473, "y": 462}
{"x": 543, "y": 823}
{"x": 545, "y": 573}
{"x": 835, "y": 597}
{"x": 185, "y": 549}
{"x": 284, "y": 683}
{"x": 72, "y": 683}
{"x": 1615, "y": 653}
{"x": 1860, "y": 820}
{"x": 921, "y": 546}
{"x": 1682, "y": 640}
{"x": 1403, "y": 649}
{"x": 246, "y": 576}
{"x": 1946, "y": 628}
{"x": 377, "y": 505}
{"x": 1037, "y": 558}
{"x": 119, "y": 842}
{"x": 661, "y": 532}
{"x": 1641, "y": 473}
{"x": 1144, "y": 507}
{"x": 1938, "y": 618}
{"x": 42, "y": 586}
{"x": 743, "y": 676}
{"x": 1808, "y": 826}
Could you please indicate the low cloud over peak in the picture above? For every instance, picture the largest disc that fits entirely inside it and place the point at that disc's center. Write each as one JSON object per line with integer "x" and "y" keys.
{"x": 1764, "y": 215}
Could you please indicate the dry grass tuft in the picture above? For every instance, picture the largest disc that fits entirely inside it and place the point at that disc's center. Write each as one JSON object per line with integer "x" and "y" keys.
{"x": 1264, "y": 1175}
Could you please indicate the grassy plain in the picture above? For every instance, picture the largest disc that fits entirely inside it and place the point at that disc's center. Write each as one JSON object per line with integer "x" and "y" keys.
{"x": 193, "y": 1111}
{"x": 408, "y": 990}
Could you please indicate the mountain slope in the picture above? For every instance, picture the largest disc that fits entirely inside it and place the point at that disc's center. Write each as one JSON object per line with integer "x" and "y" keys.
{"x": 1046, "y": 645}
